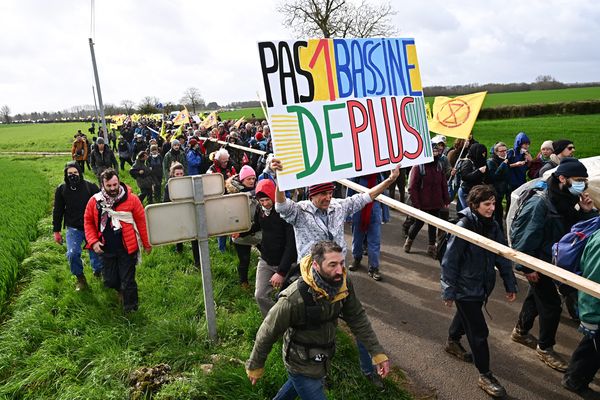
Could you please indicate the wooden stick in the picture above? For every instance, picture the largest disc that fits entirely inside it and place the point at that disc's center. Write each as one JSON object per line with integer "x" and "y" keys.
{"x": 590, "y": 287}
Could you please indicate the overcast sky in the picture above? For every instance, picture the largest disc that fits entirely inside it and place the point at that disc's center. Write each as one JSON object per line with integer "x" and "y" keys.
{"x": 160, "y": 48}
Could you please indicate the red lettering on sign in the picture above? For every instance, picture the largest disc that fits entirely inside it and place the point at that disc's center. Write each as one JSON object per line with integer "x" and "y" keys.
{"x": 355, "y": 130}
{"x": 410, "y": 129}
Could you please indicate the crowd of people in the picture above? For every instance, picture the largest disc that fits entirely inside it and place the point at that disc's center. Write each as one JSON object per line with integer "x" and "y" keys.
{"x": 302, "y": 285}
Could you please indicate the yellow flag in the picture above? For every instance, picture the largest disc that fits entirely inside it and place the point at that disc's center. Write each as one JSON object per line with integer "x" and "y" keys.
{"x": 210, "y": 121}
{"x": 182, "y": 118}
{"x": 163, "y": 129}
{"x": 456, "y": 116}
{"x": 239, "y": 122}
{"x": 178, "y": 132}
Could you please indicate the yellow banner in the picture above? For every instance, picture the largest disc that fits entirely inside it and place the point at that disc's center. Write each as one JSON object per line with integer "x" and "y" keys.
{"x": 456, "y": 116}
{"x": 182, "y": 118}
{"x": 239, "y": 122}
{"x": 210, "y": 121}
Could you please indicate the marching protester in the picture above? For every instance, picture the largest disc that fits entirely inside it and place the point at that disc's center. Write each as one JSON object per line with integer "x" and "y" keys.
{"x": 518, "y": 161}
{"x": 585, "y": 360}
{"x": 155, "y": 162}
{"x": 175, "y": 154}
{"x": 194, "y": 158}
{"x": 124, "y": 151}
{"x": 142, "y": 174}
{"x": 243, "y": 183}
{"x": 115, "y": 223}
{"x": 222, "y": 165}
{"x": 177, "y": 171}
{"x": 428, "y": 192}
{"x": 542, "y": 220}
{"x": 322, "y": 217}
{"x": 541, "y": 159}
{"x": 70, "y": 200}
{"x": 468, "y": 278}
{"x": 79, "y": 151}
{"x": 102, "y": 158}
{"x": 309, "y": 344}
{"x": 498, "y": 175}
{"x": 366, "y": 226}
{"x": 277, "y": 246}
{"x": 561, "y": 149}
{"x": 473, "y": 171}
{"x": 139, "y": 144}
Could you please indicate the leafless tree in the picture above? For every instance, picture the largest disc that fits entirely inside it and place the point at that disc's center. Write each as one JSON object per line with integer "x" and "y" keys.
{"x": 337, "y": 18}
{"x": 148, "y": 105}
{"x": 128, "y": 105}
{"x": 5, "y": 114}
{"x": 192, "y": 98}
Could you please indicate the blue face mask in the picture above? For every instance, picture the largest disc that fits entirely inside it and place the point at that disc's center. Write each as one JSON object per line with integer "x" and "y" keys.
{"x": 577, "y": 188}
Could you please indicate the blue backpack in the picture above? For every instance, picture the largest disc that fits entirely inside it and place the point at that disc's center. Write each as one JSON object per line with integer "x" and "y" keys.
{"x": 566, "y": 253}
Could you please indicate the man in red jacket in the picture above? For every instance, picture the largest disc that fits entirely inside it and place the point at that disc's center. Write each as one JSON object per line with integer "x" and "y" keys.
{"x": 115, "y": 228}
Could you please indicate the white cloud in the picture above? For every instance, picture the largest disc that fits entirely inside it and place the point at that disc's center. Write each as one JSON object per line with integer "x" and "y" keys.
{"x": 159, "y": 48}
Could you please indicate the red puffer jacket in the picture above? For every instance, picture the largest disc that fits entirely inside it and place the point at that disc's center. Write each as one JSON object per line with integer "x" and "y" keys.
{"x": 429, "y": 191}
{"x": 130, "y": 202}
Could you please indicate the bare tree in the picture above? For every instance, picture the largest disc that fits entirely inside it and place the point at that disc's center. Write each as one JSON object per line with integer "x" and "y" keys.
{"x": 337, "y": 18}
{"x": 5, "y": 114}
{"x": 192, "y": 98}
{"x": 128, "y": 106}
{"x": 148, "y": 105}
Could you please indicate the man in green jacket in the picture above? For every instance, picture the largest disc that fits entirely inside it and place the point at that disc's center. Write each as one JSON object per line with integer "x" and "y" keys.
{"x": 585, "y": 361}
{"x": 306, "y": 315}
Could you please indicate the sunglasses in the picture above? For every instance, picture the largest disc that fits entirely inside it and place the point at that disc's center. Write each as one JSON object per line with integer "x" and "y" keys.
{"x": 571, "y": 148}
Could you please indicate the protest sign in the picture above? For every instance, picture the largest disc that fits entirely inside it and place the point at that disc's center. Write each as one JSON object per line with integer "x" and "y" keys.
{"x": 340, "y": 108}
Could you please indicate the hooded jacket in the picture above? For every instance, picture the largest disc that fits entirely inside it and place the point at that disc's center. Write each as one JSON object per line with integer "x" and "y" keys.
{"x": 278, "y": 244}
{"x": 589, "y": 306}
{"x": 517, "y": 175}
{"x": 469, "y": 169}
{"x": 468, "y": 270}
{"x": 289, "y": 313}
{"x": 69, "y": 203}
{"x": 428, "y": 191}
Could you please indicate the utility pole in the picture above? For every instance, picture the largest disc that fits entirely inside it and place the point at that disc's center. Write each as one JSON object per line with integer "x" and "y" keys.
{"x": 95, "y": 105}
{"x": 99, "y": 91}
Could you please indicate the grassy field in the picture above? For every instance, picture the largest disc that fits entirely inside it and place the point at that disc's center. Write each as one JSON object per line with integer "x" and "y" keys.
{"x": 56, "y": 343}
{"x": 245, "y": 112}
{"x": 584, "y": 130}
{"x": 40, "y": 137}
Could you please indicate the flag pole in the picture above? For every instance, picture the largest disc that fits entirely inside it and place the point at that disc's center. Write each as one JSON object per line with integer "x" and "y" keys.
{"x": 99, "y": 92}
{"x": 262, "y": 105}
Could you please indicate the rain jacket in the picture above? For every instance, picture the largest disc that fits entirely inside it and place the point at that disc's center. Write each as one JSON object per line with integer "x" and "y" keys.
{"x": 517, "y": 175}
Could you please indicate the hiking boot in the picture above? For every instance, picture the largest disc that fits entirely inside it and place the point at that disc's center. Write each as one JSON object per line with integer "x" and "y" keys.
{"x": 376, "y": 380}
{"x": 374, "y": 273}
{"x": 407, "y": 245}
{"x": 567, "y": 384}
{"x": 526, "y": 339}
{"x": 355, "y": 265}
{"x": 431, "y": 251}
{"x": 457, "y": 350}
{"x": 81, "y": 283}
{"x": 490, "y": 385}
{"x": 552, "y": 359}
{"x": 98, "y": 274}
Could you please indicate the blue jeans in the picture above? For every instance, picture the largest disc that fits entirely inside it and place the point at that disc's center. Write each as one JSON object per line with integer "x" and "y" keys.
{"x": 462, "y": 199}
{"x": 366, "y": 363}
{"x": 373, "y": 235}
{"x": 74, "y": 239}
{"x": 301, "y": 386}
{"x": 222, "y": 241}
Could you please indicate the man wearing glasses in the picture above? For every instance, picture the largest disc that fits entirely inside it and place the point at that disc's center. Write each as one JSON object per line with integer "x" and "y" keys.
{"x": 561, "y": 149}
{"x": 542, "y": 221}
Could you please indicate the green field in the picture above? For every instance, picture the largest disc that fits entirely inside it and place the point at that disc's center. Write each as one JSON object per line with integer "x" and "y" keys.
{"x": 40, "y": 137}
{"x": 244, "y": 112}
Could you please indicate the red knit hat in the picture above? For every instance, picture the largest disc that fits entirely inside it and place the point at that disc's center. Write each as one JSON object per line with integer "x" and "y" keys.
{"x": 259, "y": 136}
{"x": 320, "y": 188}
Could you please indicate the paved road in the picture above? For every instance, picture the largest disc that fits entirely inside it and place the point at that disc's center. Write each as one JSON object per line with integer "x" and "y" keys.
{"x": 412, "y": 323}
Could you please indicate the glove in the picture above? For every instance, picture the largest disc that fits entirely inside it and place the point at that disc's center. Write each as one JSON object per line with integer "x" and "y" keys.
{"x": 57, "y": 237}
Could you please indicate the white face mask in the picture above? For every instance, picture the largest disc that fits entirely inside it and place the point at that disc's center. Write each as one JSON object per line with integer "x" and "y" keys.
{"x": 154, "y": 155}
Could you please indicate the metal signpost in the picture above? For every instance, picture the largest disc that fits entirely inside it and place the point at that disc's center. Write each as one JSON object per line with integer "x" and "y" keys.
{"x": 199, "y": 210}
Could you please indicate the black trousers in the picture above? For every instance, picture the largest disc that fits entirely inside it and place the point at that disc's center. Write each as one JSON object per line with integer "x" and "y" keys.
{"x": 81, "y": 164}
{"x": 146, "y": 193}
{"x": 584, "y": 363}
{"x": 469, "y": 319}
{"x": 195, "y": 251}
{"x": 418, "y": 224}
{"x": 243, "y": 253}
{"x": 119, "y": 273}
{"x": 125, "y": 160}
{"x": 543, "y": 300}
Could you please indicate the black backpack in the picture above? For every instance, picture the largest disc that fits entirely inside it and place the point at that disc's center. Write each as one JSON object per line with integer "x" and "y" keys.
{"x": 442, "y": 244}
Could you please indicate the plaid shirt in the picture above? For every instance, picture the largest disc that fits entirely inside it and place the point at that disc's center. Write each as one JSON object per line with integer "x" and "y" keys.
{"x": 309, "y": 228}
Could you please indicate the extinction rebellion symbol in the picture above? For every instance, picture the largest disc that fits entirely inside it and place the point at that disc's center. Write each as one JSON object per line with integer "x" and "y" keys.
{"x": 453, "y": 113}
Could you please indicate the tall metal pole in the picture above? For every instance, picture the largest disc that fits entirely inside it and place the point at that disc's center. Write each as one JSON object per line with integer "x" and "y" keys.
{"x": 99, "y": 91}
{"x": 95, "y": 105}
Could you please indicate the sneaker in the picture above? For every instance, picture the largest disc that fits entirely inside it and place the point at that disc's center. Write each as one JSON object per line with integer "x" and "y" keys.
{"x": 355, "y": 265}
{"x": 408, "y": 245}
{"x": 490, "y": 385}
{"x": 374, "y": 273}
{"x": 81, "y": 283}
{"x": 526, "y": 339}
{"x": 552, "y": 359}
{"x": 567, "y": 384}
{"x": 457, "y": 350}
{"x": 376, "y": 380}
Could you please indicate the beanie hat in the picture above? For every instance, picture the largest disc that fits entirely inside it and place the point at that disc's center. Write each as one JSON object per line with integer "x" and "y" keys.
{"x": 548, "y": 144}
{"x": 246, "y": 171}
{"x": 560, "y": 145}
{"x": 100, "y": 140}
{"x": 259, "y": 136}
{"x": 320, "y": 188}
{"x": 193, "y": 142}
{"x": 175, "y": 142}
{"x": 570, "y": 167}
{"x": 438, "y": 139}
